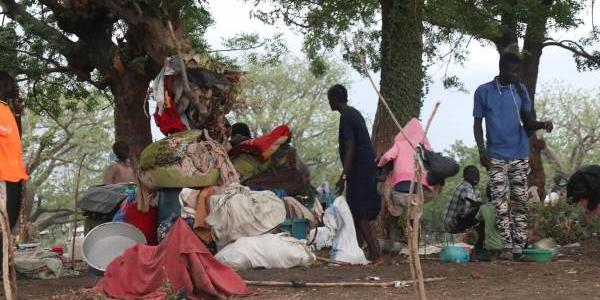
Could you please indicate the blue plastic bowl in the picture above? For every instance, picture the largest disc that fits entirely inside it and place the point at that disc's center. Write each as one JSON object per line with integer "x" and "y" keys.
{"x": 454, "y": 254}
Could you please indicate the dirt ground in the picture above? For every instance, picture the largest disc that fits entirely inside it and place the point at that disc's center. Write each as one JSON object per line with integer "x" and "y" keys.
{"x": 574, "y": 274}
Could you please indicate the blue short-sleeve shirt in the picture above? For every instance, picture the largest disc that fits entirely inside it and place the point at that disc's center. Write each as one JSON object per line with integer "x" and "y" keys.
{"x": 501, "y": 107}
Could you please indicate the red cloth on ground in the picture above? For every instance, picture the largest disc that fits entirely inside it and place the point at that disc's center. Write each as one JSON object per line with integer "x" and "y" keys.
{"x": 144, "y": 221}
{"x": 141, "y": 272}
{"x": 264, "y": 146}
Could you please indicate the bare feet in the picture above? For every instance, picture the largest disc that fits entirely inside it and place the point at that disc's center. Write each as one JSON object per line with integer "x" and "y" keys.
{"x": 377, "y": 262}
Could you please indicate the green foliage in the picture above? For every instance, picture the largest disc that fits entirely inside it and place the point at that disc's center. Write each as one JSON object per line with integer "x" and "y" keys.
{"x": 563, "y": 222}
{"x": 288, "y": 93}
{"x": 575, "y": 139}
{"x": 254, "y": 49}
{"x": 195, "y": 19}
{"x": 327, "y": 24}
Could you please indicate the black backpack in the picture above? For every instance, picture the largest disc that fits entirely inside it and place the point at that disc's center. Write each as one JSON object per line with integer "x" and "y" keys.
{"x": 438, "y": 166}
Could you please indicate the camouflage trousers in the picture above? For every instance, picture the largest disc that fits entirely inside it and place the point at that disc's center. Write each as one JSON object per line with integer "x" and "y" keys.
{"x": 508, "y": 183}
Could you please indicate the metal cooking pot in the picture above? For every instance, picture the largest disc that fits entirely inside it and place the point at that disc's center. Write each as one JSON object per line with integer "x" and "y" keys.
{"x": 107, "y": 241}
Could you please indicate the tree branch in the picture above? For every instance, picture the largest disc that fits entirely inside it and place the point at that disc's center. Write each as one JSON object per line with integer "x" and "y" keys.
{"x": 40, "y": 211}
{"x": 238, "y": 49}
{"x": 19, "y": 13}
{"x": 551, "y": 155}
{"x": 486, "y": 27}
{"x": 575, "y": 48}
{"x": 33, "y": 54}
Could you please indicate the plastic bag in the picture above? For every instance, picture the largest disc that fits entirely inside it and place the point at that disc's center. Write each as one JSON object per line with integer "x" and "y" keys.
{"x": 266, "y": 251}
{"x": 338, "y": 219}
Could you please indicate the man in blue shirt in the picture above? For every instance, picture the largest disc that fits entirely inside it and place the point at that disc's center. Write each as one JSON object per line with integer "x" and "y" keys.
{"x": 508, "y": 113}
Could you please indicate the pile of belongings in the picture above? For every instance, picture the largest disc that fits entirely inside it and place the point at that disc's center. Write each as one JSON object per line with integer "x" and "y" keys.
{"x": 201, "y": 102}
{"x": 40, "y": 264}
{"x": 270, "y": 162}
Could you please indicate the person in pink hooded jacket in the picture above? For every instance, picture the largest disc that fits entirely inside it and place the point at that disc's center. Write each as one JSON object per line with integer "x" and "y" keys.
{"x": 402, "y": 154}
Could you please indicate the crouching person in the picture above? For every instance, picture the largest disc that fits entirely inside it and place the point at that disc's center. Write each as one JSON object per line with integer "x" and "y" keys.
{"x": 466, "y": 210}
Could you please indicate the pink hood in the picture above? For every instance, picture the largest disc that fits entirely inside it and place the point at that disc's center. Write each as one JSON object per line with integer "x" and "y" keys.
{"x": 403, "y": 154}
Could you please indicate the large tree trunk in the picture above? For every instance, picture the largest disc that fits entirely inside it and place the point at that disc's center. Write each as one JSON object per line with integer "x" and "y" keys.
{"x": 401, "y": 67}
{"x": 131, "y": 124}
{"x": 401, "y": 73}
{"x": 26, "y": 209}
{"x": 532, "y": 51}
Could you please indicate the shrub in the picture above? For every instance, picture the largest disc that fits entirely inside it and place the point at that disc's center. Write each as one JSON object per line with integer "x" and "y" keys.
{"x": 563, "y": 222}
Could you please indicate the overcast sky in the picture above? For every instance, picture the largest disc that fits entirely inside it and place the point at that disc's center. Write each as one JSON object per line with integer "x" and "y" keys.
{"x": 453, "y": 121}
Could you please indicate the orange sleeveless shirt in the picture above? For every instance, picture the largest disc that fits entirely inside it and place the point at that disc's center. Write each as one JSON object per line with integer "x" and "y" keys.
{"x": 11, "y": 160}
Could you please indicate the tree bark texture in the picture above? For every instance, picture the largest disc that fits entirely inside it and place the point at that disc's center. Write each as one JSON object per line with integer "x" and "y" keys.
{"x": 401, "y": 68}
{"x": 131, "y": 124}
{"x": 26, "y": 209}
{"x": 532, "y": 52}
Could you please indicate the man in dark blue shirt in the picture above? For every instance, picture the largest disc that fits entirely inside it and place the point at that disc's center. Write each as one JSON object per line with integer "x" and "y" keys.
{"x": 508, "y": 113}
{"x": 360, "y": 171}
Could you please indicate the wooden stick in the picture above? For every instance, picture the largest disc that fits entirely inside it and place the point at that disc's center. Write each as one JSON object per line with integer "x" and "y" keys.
{"x": 331, "y": 261}
{"x": 435, "y": 108}
{"x": 398, "y": 283}
{"x": 76, "y": 195}
{"x": 10, "y": 290}
{"x": 416, "y": 230}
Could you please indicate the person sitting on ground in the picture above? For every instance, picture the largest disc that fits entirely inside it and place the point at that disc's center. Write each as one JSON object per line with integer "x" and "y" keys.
{"x": 121, "y": 170}
{"x": 489, "y": 242}
{"x": 239, "y": 132}
{"x": 464, "y": 205}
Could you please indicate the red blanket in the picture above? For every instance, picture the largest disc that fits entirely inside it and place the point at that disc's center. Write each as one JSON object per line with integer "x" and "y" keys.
{"x": 264, "y": 146}
{"x": 181, "y": 259}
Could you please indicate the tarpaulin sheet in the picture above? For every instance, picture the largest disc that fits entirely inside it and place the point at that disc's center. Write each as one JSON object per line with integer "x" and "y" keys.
{"x": 182, "y": 260}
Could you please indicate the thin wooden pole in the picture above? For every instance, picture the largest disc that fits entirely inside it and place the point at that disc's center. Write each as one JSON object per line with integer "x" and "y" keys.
{"x": 398, "y": 283}
{"x": 75, "y": 196}
{"x": 10, "y": 289}
{"x": 416, "y": 230}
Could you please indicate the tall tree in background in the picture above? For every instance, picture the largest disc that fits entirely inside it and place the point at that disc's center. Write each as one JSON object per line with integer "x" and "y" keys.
{"x": 288, "y": 93}
{"x": 114, "y": 45}
{"x": 576, "y": 139}
{"x": 394, "y": 46}
{"x": 504, "y": 23}
{"x": 53, "y": 145}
